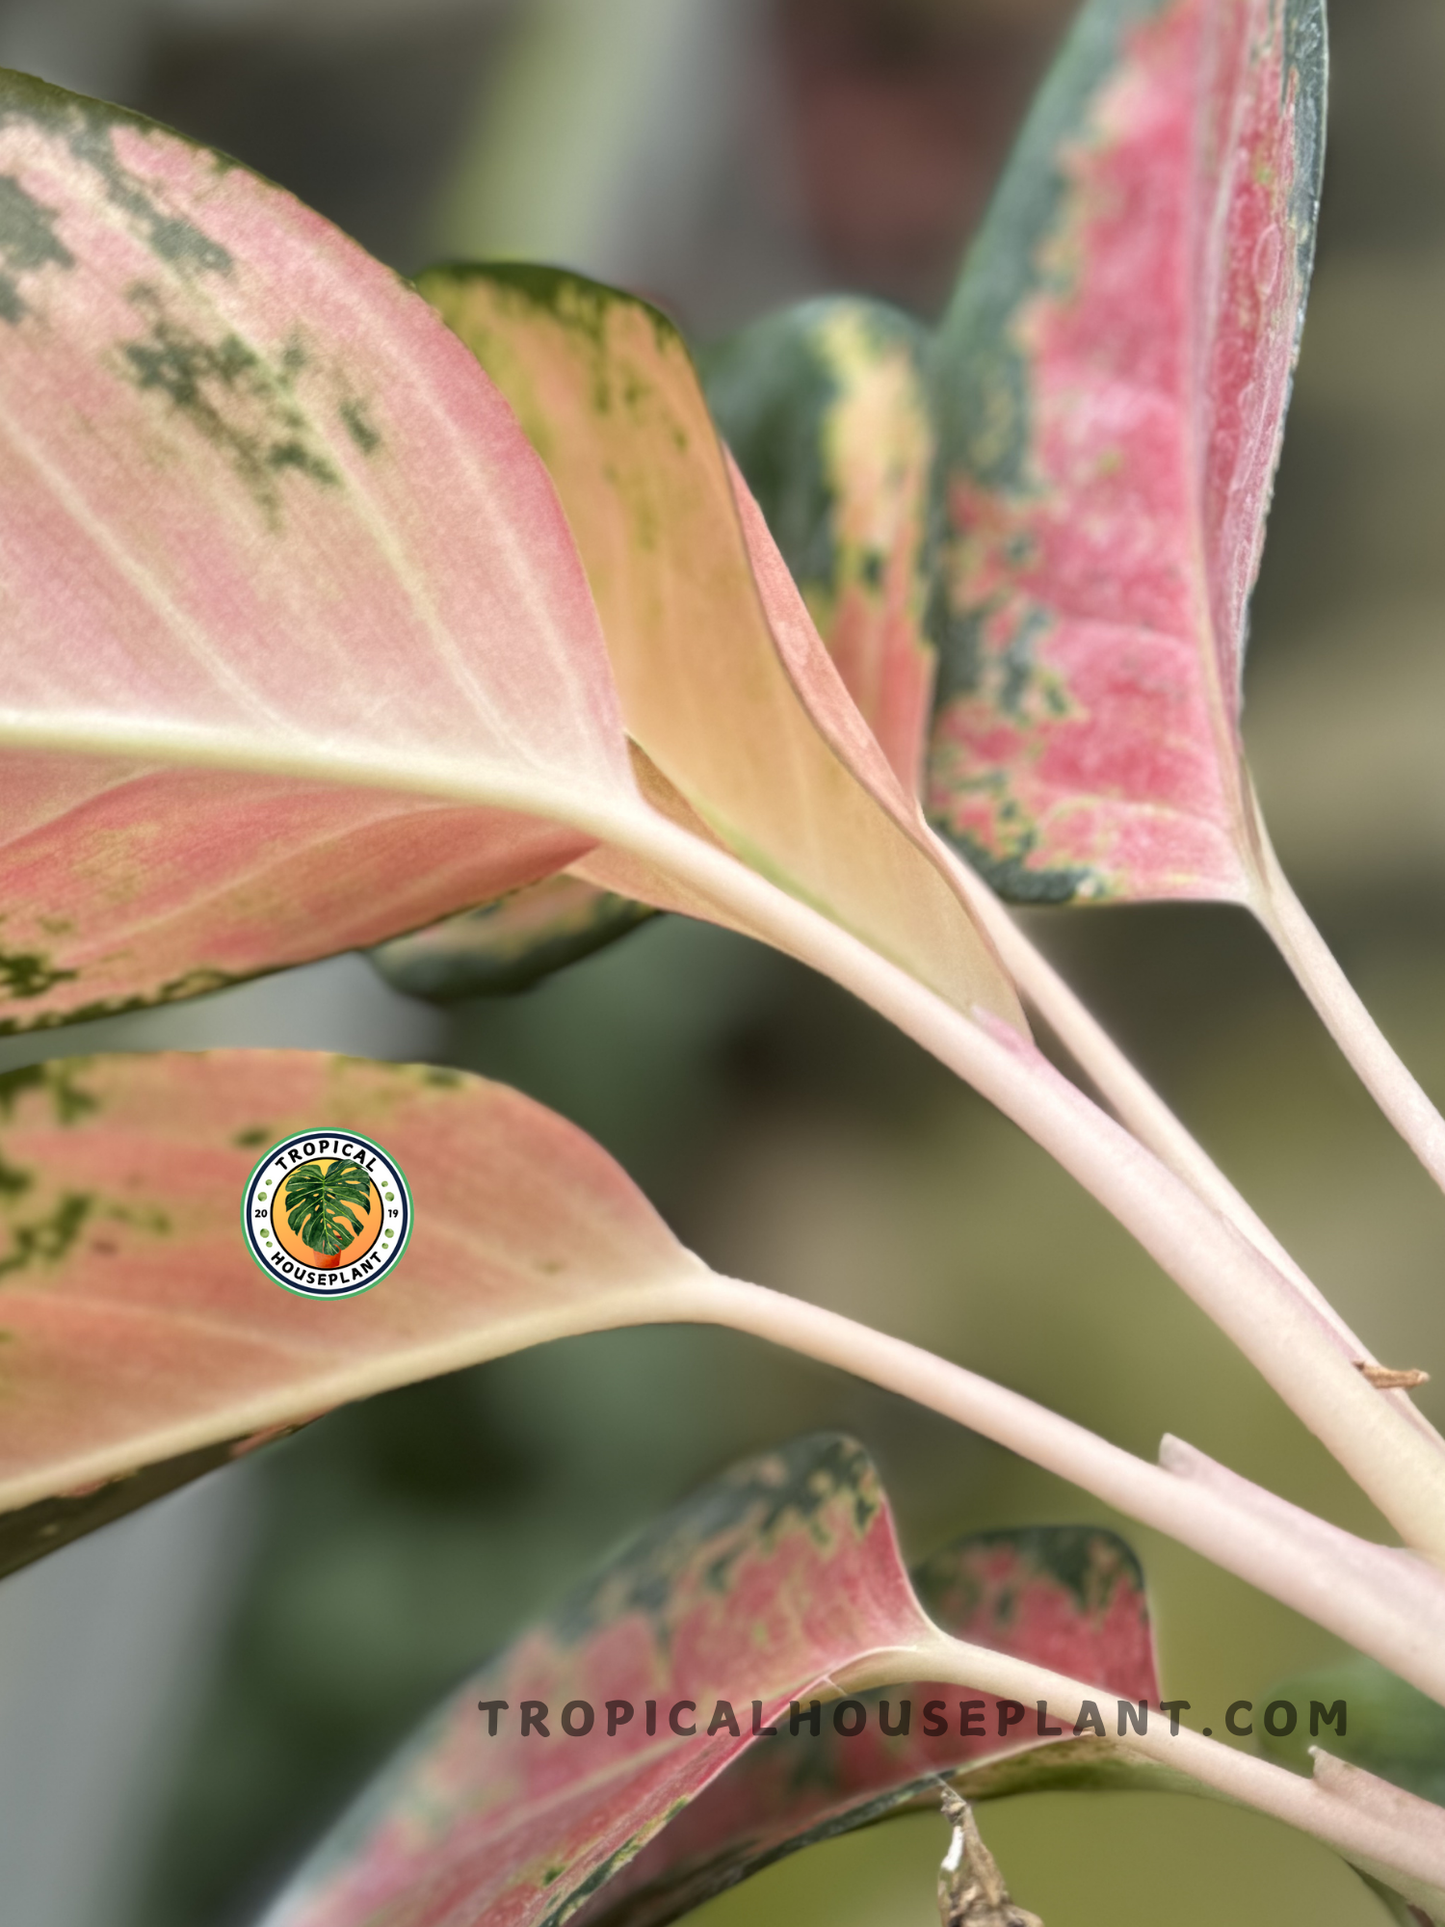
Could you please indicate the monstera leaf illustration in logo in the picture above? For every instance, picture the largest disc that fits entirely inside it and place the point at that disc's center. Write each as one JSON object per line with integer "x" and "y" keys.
{"x": 319, "y": 1201}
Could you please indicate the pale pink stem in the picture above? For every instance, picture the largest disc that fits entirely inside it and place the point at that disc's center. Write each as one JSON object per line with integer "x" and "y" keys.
{"x": 1394, "y": 1835}
{"x": 1386, "y": 1602}
{"x": 1374, "y": 1060}
{"x": 1288, "y": 1339}
{"x": 1285, "y": 1337}
{"x": 1140, "y": 1108}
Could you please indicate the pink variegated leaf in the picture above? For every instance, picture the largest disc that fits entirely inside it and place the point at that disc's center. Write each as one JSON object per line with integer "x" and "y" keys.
{"x": 827, "y": 409}
{"x": 298, "y": 648}
{"x": 301, "y": 652}
{"x": 762, "y": 1589}
{"x": 1110, "y": 388}
{"x": 1108, "y": 397}
{"x": 1067, "y": 1597}
{"x": 1111, "y": 383}
{"x": 140, "y": 1345}
{"x": 606, "y": 390}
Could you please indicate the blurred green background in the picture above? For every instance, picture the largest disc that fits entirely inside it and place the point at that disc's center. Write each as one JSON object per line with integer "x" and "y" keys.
{"x": 727, "y": 155}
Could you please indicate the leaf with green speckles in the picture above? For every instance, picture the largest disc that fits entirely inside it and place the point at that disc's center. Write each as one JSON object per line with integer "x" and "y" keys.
{"x": 146, "y": 1346}
{"x": 299, "y": 652}
{"x": 1107, "y": 393}
{"x": 767, "y": 1586}
{"x": 745, "y": 732}
{"x": 144, "y": 1340}
{"x": 1067, "y": 1597}
{"x": 302, "y": 654}
{"x": 1110, "y": 385}
{"x": 509, "y": 945}
{"x": 1106, "y": 399}
{"x": 826, "y": 408}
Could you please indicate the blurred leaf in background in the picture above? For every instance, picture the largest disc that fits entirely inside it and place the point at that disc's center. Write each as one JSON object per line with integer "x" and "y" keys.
{"x": 1390, "y": 1729}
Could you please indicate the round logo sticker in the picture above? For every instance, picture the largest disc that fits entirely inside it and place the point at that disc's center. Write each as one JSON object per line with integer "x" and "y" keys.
{"x": 326, "y": 1213}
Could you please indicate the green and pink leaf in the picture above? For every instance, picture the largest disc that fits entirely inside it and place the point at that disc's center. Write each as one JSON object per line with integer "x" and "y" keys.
{"x": 303, "y": 653}
{"x": 1111, "y": 384}
{"x": 826, "y": 408}
{"x": 141, "y": 1344}
{"x": 509, "y": 945}
{"x": 714, "y": 688}
{"x": 762, "y": 1588}
{"x": 1067, "y": 1597}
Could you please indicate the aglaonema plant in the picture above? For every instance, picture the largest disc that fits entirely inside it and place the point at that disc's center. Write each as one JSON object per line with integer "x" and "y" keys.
{"x": 337, "y": 607}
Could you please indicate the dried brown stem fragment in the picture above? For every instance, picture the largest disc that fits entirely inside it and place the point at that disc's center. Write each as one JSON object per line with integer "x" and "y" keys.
{"x": 1385, "y": 1378}
{"x": 971, "y": 1891}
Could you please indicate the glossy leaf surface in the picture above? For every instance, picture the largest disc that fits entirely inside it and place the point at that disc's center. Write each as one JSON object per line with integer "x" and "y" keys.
{"x": 1111, "y": 385}
{"x": 607, "y": 393}
{"x": 826, "y": 408}
{"x": 299, "y": 652}
{"x": 137, "y": 1330}
{"x": 762, "y": 1587}
{"x": 511, "y": 944}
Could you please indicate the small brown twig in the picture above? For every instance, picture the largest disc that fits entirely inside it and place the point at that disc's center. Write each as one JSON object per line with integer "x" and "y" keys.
{"x": 1385, "y": 1378}
{"x": 971, "y": 1892}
